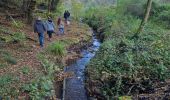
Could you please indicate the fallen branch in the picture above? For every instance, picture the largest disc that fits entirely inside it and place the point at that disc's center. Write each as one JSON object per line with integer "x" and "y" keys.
{"x": 130, "y": 89}
{"x": 29, "y": 38}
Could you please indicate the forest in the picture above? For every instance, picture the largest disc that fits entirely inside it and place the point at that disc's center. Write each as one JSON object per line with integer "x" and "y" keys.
{"x": 84, "y": 50}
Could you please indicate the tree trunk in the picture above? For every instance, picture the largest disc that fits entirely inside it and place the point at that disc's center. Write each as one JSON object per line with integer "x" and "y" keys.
{"x": 24, "y": 7}
{"x": 54, "y": 3}
{"x": 30, "y": 10}
{"x": 140, "y": 29}
{"x": 144, "y": 21}
{"x": 49, "y": 6}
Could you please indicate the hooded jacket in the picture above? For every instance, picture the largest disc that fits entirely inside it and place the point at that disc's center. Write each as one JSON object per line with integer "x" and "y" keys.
{"x": 50, "y": 25}
{"x": 39, "y": 27}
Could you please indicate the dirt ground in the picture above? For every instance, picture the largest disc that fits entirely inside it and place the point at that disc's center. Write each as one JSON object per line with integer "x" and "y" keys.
{"x": 76, "y": 35}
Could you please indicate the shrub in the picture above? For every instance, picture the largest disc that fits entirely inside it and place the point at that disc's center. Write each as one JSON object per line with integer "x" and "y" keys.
{"x": 76, "y": 9}
{"x": 5, "y": 79}
{"x": 7, "y": 57}
{"x": 40, "y": 89}
{"x": 160, "y": 13}
{"x": 48, "y": 66}
{"x": 120, "y": 63}
{"x": 136, "y": 10}
{"x": 2, "y": 65}
{"x": 18, "y": 37}
{"x": 57, "y": 49}
{"x": 25, "y": 70}
{"x": 6, "y": 88}
{"x": 17, "y": 24}
{"x": 123, "y": 66}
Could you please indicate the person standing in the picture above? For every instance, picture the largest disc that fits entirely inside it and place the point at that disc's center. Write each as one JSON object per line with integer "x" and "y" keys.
{"x": 68, "y": 17}
{"x": 40, "y": 28}
{"x": 65, "y": 16}
{"x": 60, "y": 26}
{"x": 50, "y": 28}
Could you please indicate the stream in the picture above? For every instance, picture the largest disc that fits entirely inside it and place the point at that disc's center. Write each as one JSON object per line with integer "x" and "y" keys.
{"x": 74, "y": 87}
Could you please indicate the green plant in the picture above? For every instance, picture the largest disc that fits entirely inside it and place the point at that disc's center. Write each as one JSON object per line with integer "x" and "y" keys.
{"x": 18, "y": 37}
{"x": 25, "y": 70}
{"x": 57, "y": 49}
{"x": 17, "y": 24}
{"x": 6, "y": 79}
{"x": 76, "y": 9}
{"x": 6, "y": 39}
{"x": 2, "y": 65}
{"x": 60, "y": 9}
{"x": 7, "y": 57}
{"x": 125, "y": 98}
{"x": 7, "y": 89}
{"x": 122, "y": 66}
{"x": 40, "y": 89}
{"x": 48, "y": 66}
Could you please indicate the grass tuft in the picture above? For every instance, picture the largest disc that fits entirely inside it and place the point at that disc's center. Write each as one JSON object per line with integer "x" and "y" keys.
{"x": 57, "y": 49}
{"x": 25, "y": 70}
{"x": 8, "y": 58}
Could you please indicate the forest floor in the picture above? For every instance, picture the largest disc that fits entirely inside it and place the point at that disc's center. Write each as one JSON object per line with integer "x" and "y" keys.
{"x": 19, "y": 64}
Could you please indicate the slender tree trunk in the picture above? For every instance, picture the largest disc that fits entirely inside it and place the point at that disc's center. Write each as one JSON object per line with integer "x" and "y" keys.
{"x": 30, "y": 10}
{"x": 140, "y": 29}
{"x": 49, "y": 6}
{"x": 144, "y": 21}
{"x": 24, "y": 7}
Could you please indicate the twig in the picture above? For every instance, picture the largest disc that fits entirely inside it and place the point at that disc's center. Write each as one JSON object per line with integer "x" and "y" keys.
{"x": 130, "y": 89}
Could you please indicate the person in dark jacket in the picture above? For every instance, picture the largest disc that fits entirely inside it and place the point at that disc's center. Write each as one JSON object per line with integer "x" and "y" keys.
{"x": 65, "y": 15}
{"x": 40, "y": 28}
{"x": 68, "y": 14}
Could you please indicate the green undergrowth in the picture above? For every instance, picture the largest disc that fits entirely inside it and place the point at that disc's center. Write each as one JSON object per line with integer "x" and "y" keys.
{"x": 40, "y": 89}
{"x": 25, "y": 70}
{"x": 6, "y": 88}
{"x": 12, "y": 37}
{"x": 17, "y": 24}
{"x": 52, "y": 63}
{"x": 57, "y": 48}
{"x": 43, "y": 87}
{"x": 7, "y": 57}
{"x": 124, "y": 66}
{"x": 2, "y": 65}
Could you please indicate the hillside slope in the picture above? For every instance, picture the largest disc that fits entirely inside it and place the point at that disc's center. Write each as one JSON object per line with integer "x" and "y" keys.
{"x": 19, "y": 60}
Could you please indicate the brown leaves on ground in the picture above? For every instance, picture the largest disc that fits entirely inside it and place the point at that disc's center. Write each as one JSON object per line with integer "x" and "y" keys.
{"x": 62, "y": 75}
{"x": 26, "y": 54}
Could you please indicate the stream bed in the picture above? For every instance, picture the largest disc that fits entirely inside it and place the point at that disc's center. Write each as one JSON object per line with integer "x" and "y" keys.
{"x": 74, "y": 87}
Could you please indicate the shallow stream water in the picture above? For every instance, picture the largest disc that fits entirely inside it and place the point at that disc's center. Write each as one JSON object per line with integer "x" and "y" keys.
{"x": 74, "y": 87}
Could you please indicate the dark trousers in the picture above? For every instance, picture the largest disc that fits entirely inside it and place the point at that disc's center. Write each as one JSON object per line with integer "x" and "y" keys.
{"x": 41, "y": 39}
{"x": 50, "y": 33}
